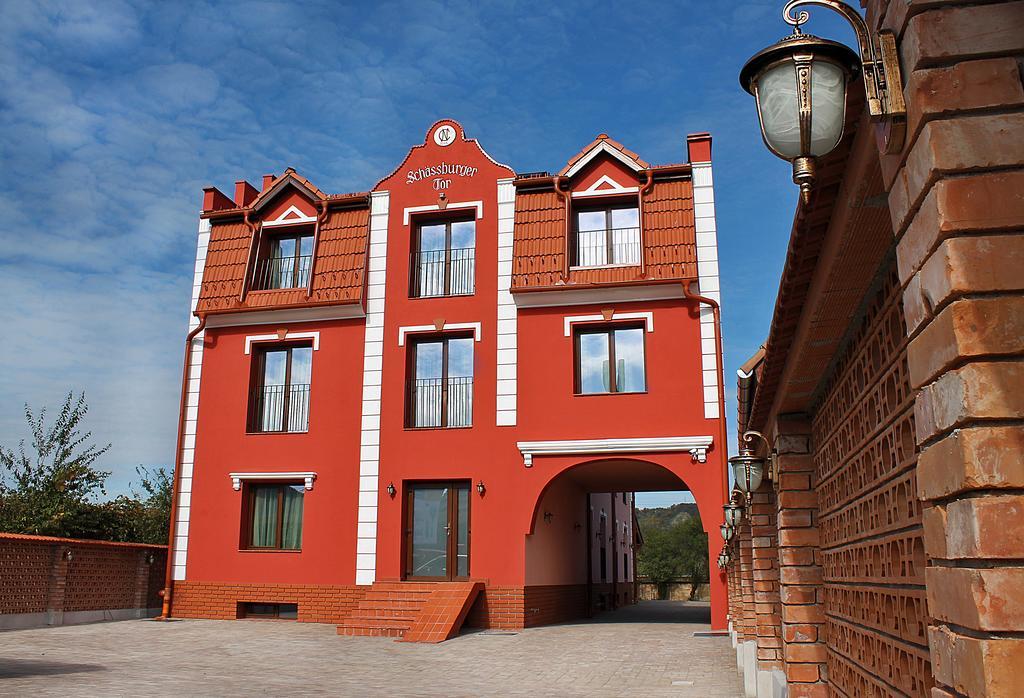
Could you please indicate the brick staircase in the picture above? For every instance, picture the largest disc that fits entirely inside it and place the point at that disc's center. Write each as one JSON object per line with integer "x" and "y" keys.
{"x": 412, "y": 611}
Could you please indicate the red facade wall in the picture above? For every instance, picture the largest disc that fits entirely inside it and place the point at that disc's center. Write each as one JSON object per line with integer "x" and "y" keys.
{"x": 330, "y": 449}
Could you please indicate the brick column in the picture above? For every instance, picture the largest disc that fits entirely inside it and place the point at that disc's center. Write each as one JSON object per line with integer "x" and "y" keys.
{"x": 57, "y": 586}
{"x": 765, "y": 558}
{"x": 800, "y": 573}
{"x": 957, "y": 207}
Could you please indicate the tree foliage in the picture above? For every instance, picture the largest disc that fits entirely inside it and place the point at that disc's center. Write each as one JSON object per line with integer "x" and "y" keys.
{"x": 679, "y": 550}
{"x": 52, "y": 486}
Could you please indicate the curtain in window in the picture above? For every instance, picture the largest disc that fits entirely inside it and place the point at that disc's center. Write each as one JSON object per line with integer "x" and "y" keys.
{"x": 291, "y": 524}
{"x": 264, "y": 517}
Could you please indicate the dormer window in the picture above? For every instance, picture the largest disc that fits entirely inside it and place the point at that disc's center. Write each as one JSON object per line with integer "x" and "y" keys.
{"x": 606, "y": 236}
{"x": 285, "y": 262}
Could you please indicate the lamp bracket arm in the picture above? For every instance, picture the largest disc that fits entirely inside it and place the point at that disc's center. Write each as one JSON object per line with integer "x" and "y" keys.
{"x": 749, "y": 435}
{"x": 868, "y": 52}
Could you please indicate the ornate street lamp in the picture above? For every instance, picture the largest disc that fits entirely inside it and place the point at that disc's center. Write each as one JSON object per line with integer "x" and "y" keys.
{"x": 799, "y": 85}
{"x": 747, "y": 468}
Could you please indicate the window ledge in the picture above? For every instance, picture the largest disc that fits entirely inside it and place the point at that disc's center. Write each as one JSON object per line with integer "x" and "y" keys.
{"x": 306, "y": 477}
{"x": 274, "y": 433}
{"x": 268, "y": 550}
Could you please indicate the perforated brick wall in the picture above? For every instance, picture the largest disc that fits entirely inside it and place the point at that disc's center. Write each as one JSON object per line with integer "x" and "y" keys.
{"x": 40, "y": 574}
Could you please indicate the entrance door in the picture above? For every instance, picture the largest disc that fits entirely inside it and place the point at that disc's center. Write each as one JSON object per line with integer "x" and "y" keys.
{"x": 437, "y": 531}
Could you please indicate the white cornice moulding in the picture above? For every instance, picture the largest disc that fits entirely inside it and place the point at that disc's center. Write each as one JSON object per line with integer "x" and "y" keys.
{"x": 478, "y": 205}
{"x": 306, "y": 477}
{"x": 288, "y": 337}
{"x": 348, "y": 311}
{"x": 627, "y": 293}
{"x": 647, "y": 317}
{"x": 419, "y": 329}
{"x": 697, "y": 446}
{"x": 613, "y": 188}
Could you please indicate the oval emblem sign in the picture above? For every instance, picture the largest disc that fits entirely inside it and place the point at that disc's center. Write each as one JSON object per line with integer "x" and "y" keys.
{"x": 444, "y": 135}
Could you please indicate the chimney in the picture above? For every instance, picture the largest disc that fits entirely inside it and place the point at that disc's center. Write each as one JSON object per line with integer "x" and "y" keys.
{"x": 215, "y": 200}
{"x": 244, "y": 193}
{"x": 267, "y": 179}
{"x": 698, "y": 147}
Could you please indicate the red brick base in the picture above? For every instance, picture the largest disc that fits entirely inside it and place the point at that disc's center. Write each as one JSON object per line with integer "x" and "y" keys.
{"x": 508, "y": 608}
{"x": 219, "y": 600}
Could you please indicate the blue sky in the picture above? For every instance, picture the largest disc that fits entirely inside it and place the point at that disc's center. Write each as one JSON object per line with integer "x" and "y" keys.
{"x": 114, "y": 115}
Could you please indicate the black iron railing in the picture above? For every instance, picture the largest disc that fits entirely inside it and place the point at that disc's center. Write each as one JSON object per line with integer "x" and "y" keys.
{"x": 439, "y": 402}
{"x": 282, "y": 272}
{"x": 597, "y": 248}
{"x": 442, "y": 272}
{"x": 282, "y": 408}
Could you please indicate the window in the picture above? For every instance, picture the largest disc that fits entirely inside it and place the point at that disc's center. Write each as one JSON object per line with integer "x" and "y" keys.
{"x": 443, "y": 259}
{"x": 610, "y": 360}
{"x": 607, "y": 236}
{"x": 440, "y": 391}
{"x": 284, "y": 611}
{"x": 274, "y": 517}
{"x": 285, "y": 262}
{"x": 279, "y": 399}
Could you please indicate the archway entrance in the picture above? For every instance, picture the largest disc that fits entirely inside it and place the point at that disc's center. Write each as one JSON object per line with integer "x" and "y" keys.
{"x": 582, "y": 541}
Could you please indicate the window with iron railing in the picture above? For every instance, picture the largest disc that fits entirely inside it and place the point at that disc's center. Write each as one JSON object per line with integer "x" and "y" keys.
{"x": 286, "y": 262}
{"x": 443, "y": 259}
{"x": 440, "y": 386}
{"x": 607, "y": 237}
{"x": 279, "y": 396}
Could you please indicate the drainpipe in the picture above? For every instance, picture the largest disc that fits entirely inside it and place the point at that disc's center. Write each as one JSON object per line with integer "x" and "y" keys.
{"x": 165, "y": 613}
{"x": 644, "y": 190}
{"x": 724, "y": 436}
{"x": 568, "y": 244}
{"x": 615, "y": 554}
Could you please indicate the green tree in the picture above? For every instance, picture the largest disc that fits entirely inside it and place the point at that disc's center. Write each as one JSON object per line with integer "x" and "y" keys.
{"x": 155, "y": 500}
{"x": 675, "y": 551}
{"x": 48, "y": 491}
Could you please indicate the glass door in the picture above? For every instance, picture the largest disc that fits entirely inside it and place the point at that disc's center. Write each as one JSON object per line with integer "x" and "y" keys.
{"x": 437, "y": 531}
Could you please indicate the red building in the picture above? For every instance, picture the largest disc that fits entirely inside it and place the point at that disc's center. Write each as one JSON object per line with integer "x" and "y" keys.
{"x": 461, "y": 375}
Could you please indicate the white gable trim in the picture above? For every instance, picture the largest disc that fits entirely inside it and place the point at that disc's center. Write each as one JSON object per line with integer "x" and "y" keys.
{"x": 277, "y": 188}
{"x": 420, "y": 329}
{"x": 289, "y": 336}
{"x": 283, "y": 219}
{"x": 478, "y": 205}
{"x": 647, "y": 317}
{"x": 307, "y": 478}
{"x": 613, "y": 188}
{"x": 603, "y": 147}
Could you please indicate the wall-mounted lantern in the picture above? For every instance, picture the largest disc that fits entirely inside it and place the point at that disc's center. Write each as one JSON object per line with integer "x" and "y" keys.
{"x": 391, "y": 490}
{"x": 726, "y": 530}
{"x": 733, "y": 514}
{"x": 799, "y": 86}
{"x": 480, "y": 488}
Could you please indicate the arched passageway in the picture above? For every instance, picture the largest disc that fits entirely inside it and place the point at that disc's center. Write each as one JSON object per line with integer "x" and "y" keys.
{"x": 581, "y": 537}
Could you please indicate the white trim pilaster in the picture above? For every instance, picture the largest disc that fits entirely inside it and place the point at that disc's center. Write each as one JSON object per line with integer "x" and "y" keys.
{"x": 373, "y": 354}
{"x": 707, "y": 279}
{"x": 179, "y": 551}
{"x": 508, "y": 313}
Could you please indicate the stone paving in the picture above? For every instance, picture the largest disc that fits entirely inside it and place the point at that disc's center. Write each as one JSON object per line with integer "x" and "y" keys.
{"x": 644, "y": 650}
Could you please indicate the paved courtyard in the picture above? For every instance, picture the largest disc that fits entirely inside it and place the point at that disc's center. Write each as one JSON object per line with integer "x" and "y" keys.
{"x": 644, "y": 650}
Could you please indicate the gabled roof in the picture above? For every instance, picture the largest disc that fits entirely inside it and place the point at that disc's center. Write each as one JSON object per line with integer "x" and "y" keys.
{"x": 292, "y": 178}
{"x": 603, "y": 144}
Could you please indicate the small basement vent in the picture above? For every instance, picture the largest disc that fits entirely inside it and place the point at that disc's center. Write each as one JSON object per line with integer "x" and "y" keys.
{"x": 282, "y": 611}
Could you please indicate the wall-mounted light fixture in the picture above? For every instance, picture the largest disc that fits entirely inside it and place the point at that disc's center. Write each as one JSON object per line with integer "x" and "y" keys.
{"x": 747, "y": 468}
{"x": 726, "y": 530}
{"x": 799, "y": 85}
{"x": 548, "y": 516}
{"x": 480, "y": 488}
{"x": 733, "y": 512}
{"x": 391, "y": 490}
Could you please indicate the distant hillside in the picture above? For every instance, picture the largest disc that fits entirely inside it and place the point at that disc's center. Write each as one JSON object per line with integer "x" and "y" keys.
{"x": 664, "y": 517}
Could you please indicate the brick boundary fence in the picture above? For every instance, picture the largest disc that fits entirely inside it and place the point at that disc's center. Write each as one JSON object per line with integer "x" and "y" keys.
{"x": 62, "y": 581}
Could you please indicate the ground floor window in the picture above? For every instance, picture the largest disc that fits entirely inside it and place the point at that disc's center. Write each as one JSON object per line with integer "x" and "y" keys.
{"x": 273, "y": 518}
{"x": 283, "y": 611}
